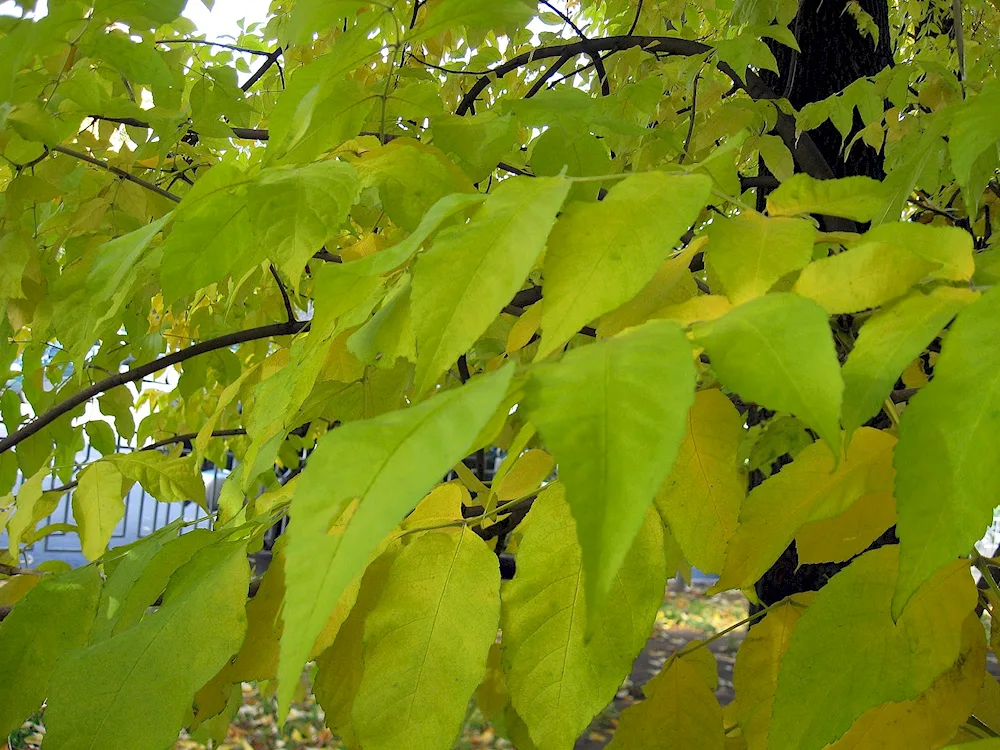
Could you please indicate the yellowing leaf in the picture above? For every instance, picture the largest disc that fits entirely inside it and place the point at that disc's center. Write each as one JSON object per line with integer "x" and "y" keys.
{"x": 857, "y": 198}
{"x": 778, "y": 351}
{"x": 613, "y": 415}
{"x": 812, "y": 488}
{"x": 700, "y": 499}
{"x": 672, "y": 284}
{"x": 890, "y": 340}
{"x": 949, "y": 248}
{"x": 848, "y": 656}
{"x": 680, "y": 710}
{"x": 100, "y": 695}
{"x": 443, "y": 503}
{"x": 558, "y": 680}
{"x": 704, "y": 307}
{"x": 930, "y": 719}
{"x": 602, "y": 254}
{"x": 850, "y": 533}
{"x": 26, "y": 515}
{"x": 473, "y": 270}
{"x": 395, "y": 459}
{"x": 867, "y": 275}
{"x": 758, "y": 662}
{"x": 98, "y": 506}
{"x": 750, "y": 253}
{"x": 473, "y": 15}
{"x": 948, "y": 479}
{"x": 524, "y": 328}
{"x": 53, "y": 618}
{"x": 426, "y": 641}
{"x": 528, "y": 472}
{"x": 165, "y": 479}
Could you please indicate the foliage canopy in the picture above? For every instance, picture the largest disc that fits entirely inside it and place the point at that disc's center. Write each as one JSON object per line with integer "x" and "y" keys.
{"x": 372, "y": 238}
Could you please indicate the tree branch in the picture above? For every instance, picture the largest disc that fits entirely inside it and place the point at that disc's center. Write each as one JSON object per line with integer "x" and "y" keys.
{"x": 138, "y": 373}
{"x": 207, "y": 43}
{"x": 284, "y": 294}
{"x": 602, "y": 73}
{"x": 264, "y": 67}
{"x": 118, "y": 172}
{"x": 537, "y": 86}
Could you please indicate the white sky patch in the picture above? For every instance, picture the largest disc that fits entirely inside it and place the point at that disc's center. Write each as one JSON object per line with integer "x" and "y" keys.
{"x": 221, "y": 22}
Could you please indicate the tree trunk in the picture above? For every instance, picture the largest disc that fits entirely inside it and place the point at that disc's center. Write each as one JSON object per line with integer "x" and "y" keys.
{"x": 834, "y": 54}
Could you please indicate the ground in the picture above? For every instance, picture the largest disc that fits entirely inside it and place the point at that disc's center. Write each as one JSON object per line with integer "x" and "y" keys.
{"x": 683, "y": 617}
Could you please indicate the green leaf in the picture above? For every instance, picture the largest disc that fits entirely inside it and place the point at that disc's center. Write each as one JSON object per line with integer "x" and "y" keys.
{"x": 680, "y": 709}
{"x": 572, "y": 152}
{"x": 778, "y": 351}
{"x": 101, "y": 696}
{"x": 700, "y": 499}
{"x": 888, "y": 342}
{"x": 557, "y": 678}
{"x": 426, "y": 642}
{"x": 15, "y": 253}
{"x": 115, "y": 260}
{"x": 947, "y": 479}
{"x": 613, "y": 414}
{"x": 210, "y": 236}
{"x": 395, "y": 459}
{"x": 410, "y": 178}
{"x": 53, "y": 618}
{"x": 473, "y": 15}
{"x": 165, "y": 479}
{"x": 98, "y": 505}
{"x": 102, "y": 437}
{"x": 847, "y": 655}
{"x": 812, "y": 488}
{"x": 295, "y": 210}
{"x": 750, "y": 253}
{"x": 600, "y": 255}
{"x": 479, "y": 142}
{"x": 975, "y": 128}
{"x": 949, "y": 248}
{"x": 473, "y": 270}
{"x": 857, "y": 198}
{"x": 28, "y": 513}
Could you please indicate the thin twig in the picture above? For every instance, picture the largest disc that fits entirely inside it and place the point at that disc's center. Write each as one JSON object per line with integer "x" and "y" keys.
{"x": 138, "y": 373}
{"x": 118, "y": 172}
{"x": 234, "y": 47}
{"x": 284, "y": 294}
{"x": 694, "y": 113}
{"x": 602, "y": 73}
{"x": 635, "y": 21}
{"x": 956, "y": 11}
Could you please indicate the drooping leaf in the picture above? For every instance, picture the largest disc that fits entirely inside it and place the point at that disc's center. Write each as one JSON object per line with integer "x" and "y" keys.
{"x": 473, "y": 15}
{"x": 812, "y": 488}
{"x": 558, "y": 680}
{"x": 849, "y": 534}
{"x": 778, "y": 351}
{"x": 758, "y": 663}
{"x": 946, "y": 482}
{"x": 847, "y": 655}
{"x": 52, "y": 619}
{"x": 888, "y": 342}
{"x": 613, "y": 414}
{"x": 700, "y": 499}
{"x": 473, "y": 270}
{"x": 100, "y": 695}
{"x": 750, "y": 253}
{"x": 98, "y": 506}
{"x": 395, "y": 460}
{"x": 602, "y": 254}
{"x": 680, "y": 709}
{"x": 426, "y": 642}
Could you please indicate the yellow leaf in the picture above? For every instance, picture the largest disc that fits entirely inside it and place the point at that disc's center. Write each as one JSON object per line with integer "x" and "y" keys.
{"x": 662, "y": 289}
{"x": 755, "y": 674}
{"x": 850, "y": 533}
{"x": 524, "y": 328}
{"x": 369, "y": 244}
{"x": 442, "y": 504}
{"x": 527, "y": 473}
{"x": 914, "y": 376}
{"x": 695, "y": 309}
{"x": 868, "y": 275}
{"x": 680, "y": 710}
{"x": 930, "y": 720}
{"x": 700, "y": 499}
{"x": 813, "y": 487}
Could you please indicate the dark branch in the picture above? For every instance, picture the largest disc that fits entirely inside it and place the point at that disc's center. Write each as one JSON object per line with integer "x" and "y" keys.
{"x": 138, "y": 373}
{"x": 264, "y": 67}
{"x": 537, "y": 86}
{"x": 234, "y": 47}
{"x": 602, "y": 73}
{"x": 118, "y": 172}
{"x": 284, "y": 294}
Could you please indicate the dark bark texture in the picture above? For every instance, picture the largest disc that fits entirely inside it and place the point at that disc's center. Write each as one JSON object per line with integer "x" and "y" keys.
{"x": 834, "y": 55}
